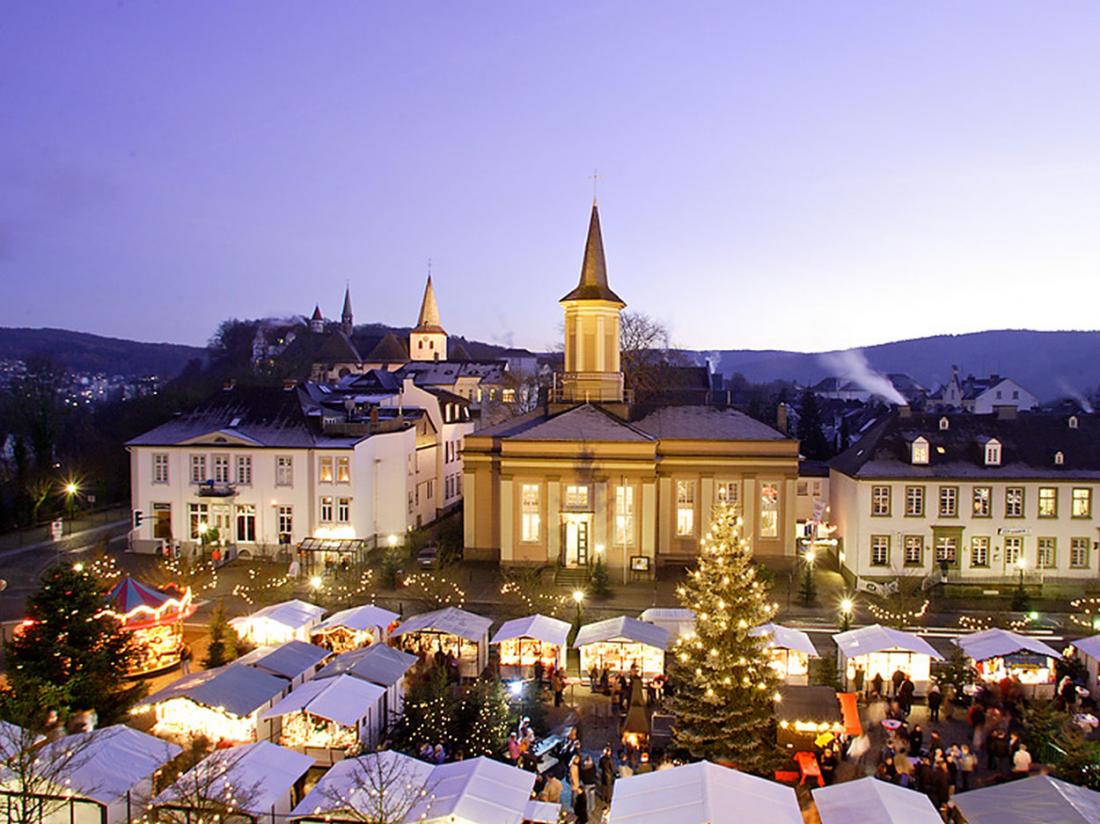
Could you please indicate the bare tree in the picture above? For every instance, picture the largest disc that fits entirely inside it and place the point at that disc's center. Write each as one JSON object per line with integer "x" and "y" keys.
{"x": 379, "y": 788}
{"x": 208, "y": 787}
{"x": 647, "y": 354}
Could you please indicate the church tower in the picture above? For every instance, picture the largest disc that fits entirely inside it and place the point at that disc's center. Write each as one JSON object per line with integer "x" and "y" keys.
{"x": 428, "y": 341}
{"x": 317, "y": 322}
{"x": 346, "y": 324}
{"x": 592, "y": 369}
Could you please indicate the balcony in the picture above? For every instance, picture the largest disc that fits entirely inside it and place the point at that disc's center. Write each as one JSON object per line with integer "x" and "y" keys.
{"x": 209, "y": 489}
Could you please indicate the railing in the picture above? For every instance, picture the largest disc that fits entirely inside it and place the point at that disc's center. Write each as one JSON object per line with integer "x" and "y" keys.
{"x": 209, "y": 489}
{"x": 557, "y": 394}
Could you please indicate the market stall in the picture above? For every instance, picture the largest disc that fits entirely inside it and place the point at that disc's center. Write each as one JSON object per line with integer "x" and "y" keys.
{"x": 328, "y": 717}
{"x": 997, "y": 654}
{"x": 883, "y": 651}
{"x": 447, "y": 632}
{"x": 378, "y": 664}
{"x": 1089, "y": 651}
{"x": 808, "y": 717}
{"x": 354, "y": 628}
{"x": 869, "y": 799}
{"x": 677, "y": 621}
{"x": 790, "y": 650}
{"x": 1039, "y": 799}
{"x": 154, "y": 617}
{"x": 296, "y": 661}
{"x": 341, "y": 795}
{"x": 279, "y": 623}
{"x": 523, "y": 641}
{"x": 623, "y": 644}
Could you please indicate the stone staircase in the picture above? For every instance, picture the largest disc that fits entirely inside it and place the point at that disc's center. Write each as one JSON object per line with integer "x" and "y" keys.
{"x": 571, "y": 578}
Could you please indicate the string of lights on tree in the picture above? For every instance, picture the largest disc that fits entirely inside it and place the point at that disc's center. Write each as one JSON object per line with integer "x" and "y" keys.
{"x": 898, "y": 617}
{"x": 980, "y": 623}
{"x": 1087, "y": 611}
{"x": 542, "y": 603}
{"x": 439, "y": 591}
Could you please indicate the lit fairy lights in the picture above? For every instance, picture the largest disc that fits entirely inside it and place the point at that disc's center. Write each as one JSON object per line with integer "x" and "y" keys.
{"x": 541, "y": 603}
{"x": 898, "y": 617}
{"x": 435, "y": 590}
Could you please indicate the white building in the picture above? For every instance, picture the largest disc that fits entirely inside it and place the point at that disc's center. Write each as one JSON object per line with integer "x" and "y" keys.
{"x": 983, "y": 395}
{"x": 969, "y": 497}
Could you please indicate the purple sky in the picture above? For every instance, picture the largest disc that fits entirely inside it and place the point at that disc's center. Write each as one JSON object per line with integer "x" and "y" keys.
{"x": 795, "y": 175}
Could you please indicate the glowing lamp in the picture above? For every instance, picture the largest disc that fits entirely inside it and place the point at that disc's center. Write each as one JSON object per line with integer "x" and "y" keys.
{"x": 578, "y": 595}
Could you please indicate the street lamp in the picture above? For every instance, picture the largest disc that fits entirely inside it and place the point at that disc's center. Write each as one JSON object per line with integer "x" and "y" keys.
{"x": 315, "y": 582}
{"x": 846, "y": 607}
{"x": 809, "y": 590}
{"x": 578, "y": 599}
{"x": 71, "y": 489}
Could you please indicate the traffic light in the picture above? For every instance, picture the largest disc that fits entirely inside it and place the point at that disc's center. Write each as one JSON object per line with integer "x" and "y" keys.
{"x": 139, "y": 516}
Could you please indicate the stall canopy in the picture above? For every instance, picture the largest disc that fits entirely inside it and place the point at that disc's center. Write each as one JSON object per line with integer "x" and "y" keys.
{"x": 877, "y": 638}
{"x": 868, "y": 799}
{"x": 265, "y": 771}
{"x": 451, "y": 620}
{"x": 377, "y": 664}
{"x": 677, "y": 621}
{"x": 787, "y": 638}
{"x": 290, "y": 660}
{"x": 997, "y": 643}
{"x": 542, "y": 812}
{"x": 12, "y": 739}
{"x": 237, "y": 690}
{"x": 342, "y": 699}
{"x": 702, "y": 792}
{"x": 1089, "y": 646}
{"x": 347, "y": 786}
{"x": 361, "y": 619}
{"x": 1036, "y": 800}
{"x": 290, "y": 615}
{"x": 622, "y": 629}
{"x": 539, "y": 627}
{"x": 476, "y": 790}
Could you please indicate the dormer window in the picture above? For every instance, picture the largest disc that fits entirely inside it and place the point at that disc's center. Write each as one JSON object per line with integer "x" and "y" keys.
{"x": 944, "y": 423}
{"x": 919, "y": 450}
{"x": 993, "y": 453}
{"x": 1072, "y": 421}
{"x": 1059, "y": 458}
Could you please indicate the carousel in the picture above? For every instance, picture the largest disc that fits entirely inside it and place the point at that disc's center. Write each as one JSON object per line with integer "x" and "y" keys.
{"x": 154, "y": 617}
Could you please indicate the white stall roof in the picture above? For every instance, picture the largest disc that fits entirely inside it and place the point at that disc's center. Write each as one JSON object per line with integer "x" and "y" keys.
{"x": 12, "y": 739}
{"x": 346, "y": 785}
{"x": 676, "y": 621}
{"x": 360, "y": 618}
{"x": 287, "y": 661}
{"x": 702, "y": 792}
{"x": 868, "y": 799}
{"x": 1090, "y": 646}
{"x": 107, "y": 763}
{"x": 993, "y": 643}
{"x": 877, "y": 638}
{"x": 451, "y": 620}
{"x": 291, "y": 614}
{"x": 259, "y": 774}
{"x": 380, "y": 664}
{"x": 539, "y": 627}
{"x": 787, "y": 638}
{"x": 477, "y": 789}
{"x": 237, "y": 690}
{"x": 542, "y": 812}
{"x": 1036, "y": 800}
{"x": 343, "y": 699}
{"x": 622, "y": 629}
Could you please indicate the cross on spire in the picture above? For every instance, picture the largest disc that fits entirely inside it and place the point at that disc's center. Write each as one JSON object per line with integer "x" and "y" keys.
{"x": 595, "y": 184}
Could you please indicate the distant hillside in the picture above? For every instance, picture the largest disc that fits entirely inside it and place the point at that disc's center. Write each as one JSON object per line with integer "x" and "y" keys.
{"x": 82, "y": 352}
{"x": 1050, "y": 364}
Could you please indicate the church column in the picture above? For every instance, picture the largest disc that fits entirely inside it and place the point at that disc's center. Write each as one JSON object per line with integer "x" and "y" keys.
{"x": 750, "y": 496}
{"x": 601, "y": 355}
{"x": 507, "y": 512}
{"x": 553, "y": 520}
{"x": 648, "y": 515}
{"x": 599, "y": 525}
{"x": 666, "y": 514}
{"x": 706, "y": 504}
{"x": 787, "y": 507}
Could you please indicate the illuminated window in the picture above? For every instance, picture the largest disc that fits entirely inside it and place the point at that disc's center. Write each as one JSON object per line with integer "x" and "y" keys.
{"x": 1014, "y": 502}
{"x": 982, "y": 502}
{"x": 343, "y": 470}
{"x": 1059, "y": 458}
{"x": 246, "y": 523}
{"x": 624, "y": 515}
{"x": 198, "y": 469}
{"x": 198, "y": 516}
{"x": 1082, "y": 502}
{"x": 1014, "y": 549}
{"x": 944, "y": 423}
{"x": 979, "y": 551}
{"x": 880, "y": 550}
{"x": 914, "y": 501}
{"x": 244, "y": 470}
{"x": 221, "y": 469}
{"x": 1079, "y": 552}
{"x": 949, "y": 501}
{"x": 769, "y": 509}
{"x": 326, "y": 509}
{"x": 947, "y": 550}
{"x": 685, "y": 508}
{"x": 530, "y": 520}
{"x": 914, "y": 550}
{"x": 993, "y": 453}
{"x": 160, "y": 468}
{"x": 1048, "y": 553}
{"x": 286, "y": 522}
{"x": 284, "y": 470}
{"x": 325, "y": 473}
{"x": 343, "y": 510}
{"x": 880, "y": 500}
{"x": 576, "y": 496}
{"x": 920, "y": 451}
{"x": 729, "y": 492}
{"x": 1048, "y": 502}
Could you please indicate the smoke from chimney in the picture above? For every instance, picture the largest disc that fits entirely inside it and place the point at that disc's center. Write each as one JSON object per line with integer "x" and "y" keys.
{"x": 852, "y": 365}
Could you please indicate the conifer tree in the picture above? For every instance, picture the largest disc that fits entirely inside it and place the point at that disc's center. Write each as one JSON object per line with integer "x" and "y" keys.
{"x": 723, "y": 685}
{"x": 487, "y": 717}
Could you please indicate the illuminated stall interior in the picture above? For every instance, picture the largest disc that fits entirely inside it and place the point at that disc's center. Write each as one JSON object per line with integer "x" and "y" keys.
{"x": 354, "y": 628}
{"x": 523, "y": 641}
{"x": 278, "y": 623}
{"x": 621, "y": 645}
{"x": 154, "y": 617}
{"x": 808, "y": 717}
{"x": 883, "y": 650}
{"x": 998, "y": 654}
{"x": 790, "y": 650}
{"x": 319, "y": 555}
{"x": 451, "y": 631}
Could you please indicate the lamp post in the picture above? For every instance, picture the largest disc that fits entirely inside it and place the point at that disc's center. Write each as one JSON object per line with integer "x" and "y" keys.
{"x": 578, "y": 599}
{"x": 71, "y": 490}
{"x": 809, "y": 591}
{"x": 846, "y": 607}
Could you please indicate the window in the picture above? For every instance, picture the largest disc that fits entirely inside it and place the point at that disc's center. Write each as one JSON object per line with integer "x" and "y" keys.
{"x": 411, "y": 504}
{"x": 1014, "y": 502}
{"x": 880, "y": 550}
{"x": 343, "y": 510}
{"x": 1082, "y": 502}
{"x": 802, "y": 489}
{"x": 284, "y": 470}
{"x": 343, "y": 470}
{"x": 880, "y": 501}
{"x": 325, "y": 474}
{"x": 1048, "y": 502}
{"x": 979, "y": 551}
{"x": 286, "y": 524}
{"x": 993, "y": 453}
{"x": 920, "y": 451}
{"x": 914, "y": 550}
{"x": 914, "y": 501}
{"x": 458, "y": 484}
{"x": 326, "y": 509}
{"x": 983, "y": 502}
{"x": 949, "y": 502}
{"x": 244, "y": 470}
{"x": 429, "y": 488}
{"x": 947, "y": 548}
{"x": 624, "y": 515}
{"x": 729, "y": 493}
{"x": 198, "y": 469}
{"x": 1072, "y": 421}
{"x": 529, "y": 504}
{"x": 1048, "y": 555}
{"x": 246, "y": 523}
{"x": 945, "y": 424}
{"x": 1014, "y": 550}
{"x": 685, "y": 508}
{"x": 576, "y": 496}
{"x": 508, "y": 395}
{"x": 160, "y": 468}
{"x": 769, "y": 509}
{"x": 1079, "y": 553}
{"x": 1059, "y": 458}
{"x": 198, "y": 517}
{"x": 221, "y": 469}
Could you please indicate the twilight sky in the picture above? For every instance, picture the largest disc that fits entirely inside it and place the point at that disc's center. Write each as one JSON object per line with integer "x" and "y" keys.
{"x": 793, "y": 175}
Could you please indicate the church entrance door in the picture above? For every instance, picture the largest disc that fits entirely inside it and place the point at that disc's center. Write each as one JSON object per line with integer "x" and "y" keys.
{"x": 575, "y": 545}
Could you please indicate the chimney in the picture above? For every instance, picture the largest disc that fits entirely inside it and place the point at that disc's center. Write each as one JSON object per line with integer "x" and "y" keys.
{"x": 905, "y": 410}
{"x": 1005, "y": 412}
{"x": 230, "y": 383}
{"x": 781, "y": 418}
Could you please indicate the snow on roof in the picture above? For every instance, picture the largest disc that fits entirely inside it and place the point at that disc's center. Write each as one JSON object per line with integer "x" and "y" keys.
{"x": 676, "y": 621}
{"x": 1039, "y": 799}
{"x": 288, "y": 660}
{"x": 1090, "y": 646}
{"x": 360, "y": 618}
{"x": 540, "y": 627}
{"x": 344, "y": 787}
{"x": 877, "y": 638}
{"x": 343, "y": 699}
{"x": 380, "y": 664}
{"x": 868, "y": 799}
{"x": 993, "y": 643}
{"x": 292, "y": 614}
{"x": 702, "y": 792}
{"x": 453, "y": 620}
{"x": 622, "y": 629}
{"x": 236, "y": 689}
{"x": 787, "y": 638}
{"x": 542, "y": 812}
{"x": 259, "y": 775}
{"x": 477, "y": 789}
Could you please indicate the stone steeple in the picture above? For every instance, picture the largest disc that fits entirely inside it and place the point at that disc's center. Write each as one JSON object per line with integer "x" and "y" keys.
{"x": 317, "y": 321}
{"x": 346, "y": 323}
{"x": 428, "y": 340}
{"x": 593, "y": 282}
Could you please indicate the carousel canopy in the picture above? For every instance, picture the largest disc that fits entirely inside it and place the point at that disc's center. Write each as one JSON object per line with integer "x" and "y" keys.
{"x": 451, "y": 620}
{"x": 622, "y": 629}
{"x": 347, "y": 784}
{"x": 868, "y": 799}
{"x": 364, "y": 617}
{"x": 994, "y": 643}
{"x": 787, "y": 638}
{"x": 877, "y": 638}
{"x": 676, "y": 621}
{"x": 538, "y": 627}
{"x": 287, "y": 661}
{"x": 238, "y": 690}
{"x": 129, "y": 595}
{"x": 262, "y": 773}
{"x": 292, "y": 614}
{"x": 378, "y": 664}
{"x": 477, "y": 789}
{"x": 1039, "y": 799}
{"x": 702, "y": 792}
{"x": 1089, "y": 646}
{"x": 342, "y": 699}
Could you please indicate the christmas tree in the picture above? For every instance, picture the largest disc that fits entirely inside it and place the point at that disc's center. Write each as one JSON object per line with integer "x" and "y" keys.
{"x": 487, "y": 718}
{"x": 723, "y": 685}
{"x": 430, "y": 714}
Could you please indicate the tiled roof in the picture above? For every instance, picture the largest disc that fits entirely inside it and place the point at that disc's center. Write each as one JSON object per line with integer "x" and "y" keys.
{"x": 582, "y": 423}
{"x": 707, "y": 423}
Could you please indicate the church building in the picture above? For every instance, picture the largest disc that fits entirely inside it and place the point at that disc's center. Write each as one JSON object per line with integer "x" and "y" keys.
{"x": 591, "y": 474}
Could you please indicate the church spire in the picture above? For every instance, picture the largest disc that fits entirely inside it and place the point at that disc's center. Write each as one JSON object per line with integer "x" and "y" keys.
{"x": 593, "y": 282}
{"x": 346, "y": 322}
{"x": 428, "y": 341}
{"x": 429, "y": 311}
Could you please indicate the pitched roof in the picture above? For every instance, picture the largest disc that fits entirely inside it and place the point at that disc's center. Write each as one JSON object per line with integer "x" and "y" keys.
{"x": 317, "y": 313}
{"x": 388, "y": 349}
{"x": 707, "y": 423}
{"x": 1039, "y": 799}
{"x": 582, "y": 423}
{"x": 593, "y": 283}
{"x": 237, "y": 690}
{"x": 288, "y": 660}
{"x": 868, "y": 799}
{"x": 539, "y": 627}
{"x": 466, "y": 625}
{"x": 477, "y": 789}
{"x": 995, "y": 643}
{"x": 876, "y": 638}
{"x": 345, "y": 785}
{"x": 379, "y": 663}
{"x": 347, "y": 303}
{"x": 362, "y": 617}
{"x": 293, "y": 613}
{"x": 787, "y": 638}
{"x": 622, "y": 628}
{"x": 428, "y": 319}
{"x": 342, "y": 699}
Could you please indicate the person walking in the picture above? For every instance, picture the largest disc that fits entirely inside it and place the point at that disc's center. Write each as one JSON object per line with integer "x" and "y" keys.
{"x": 935, "y": 698}
{"x": 941, "y": 785}
{"x": 185, "y": 660}
{"x": 1021, "y": 762}
{"x": 876, "y": 685}
{"x": 916, "y": 740}
{"x": 607, "y": 774}
{"x": 905, "y": 694}
{"x": 858, "y": 679}
{"x": 558, "y": 683}
{"x": 896, "y": 680}
{"x": 588, "y": 781}
{"x": 967, "y": 762}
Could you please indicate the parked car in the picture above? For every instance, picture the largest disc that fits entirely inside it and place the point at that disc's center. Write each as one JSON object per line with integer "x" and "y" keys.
{"x": 428, "y": 557}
